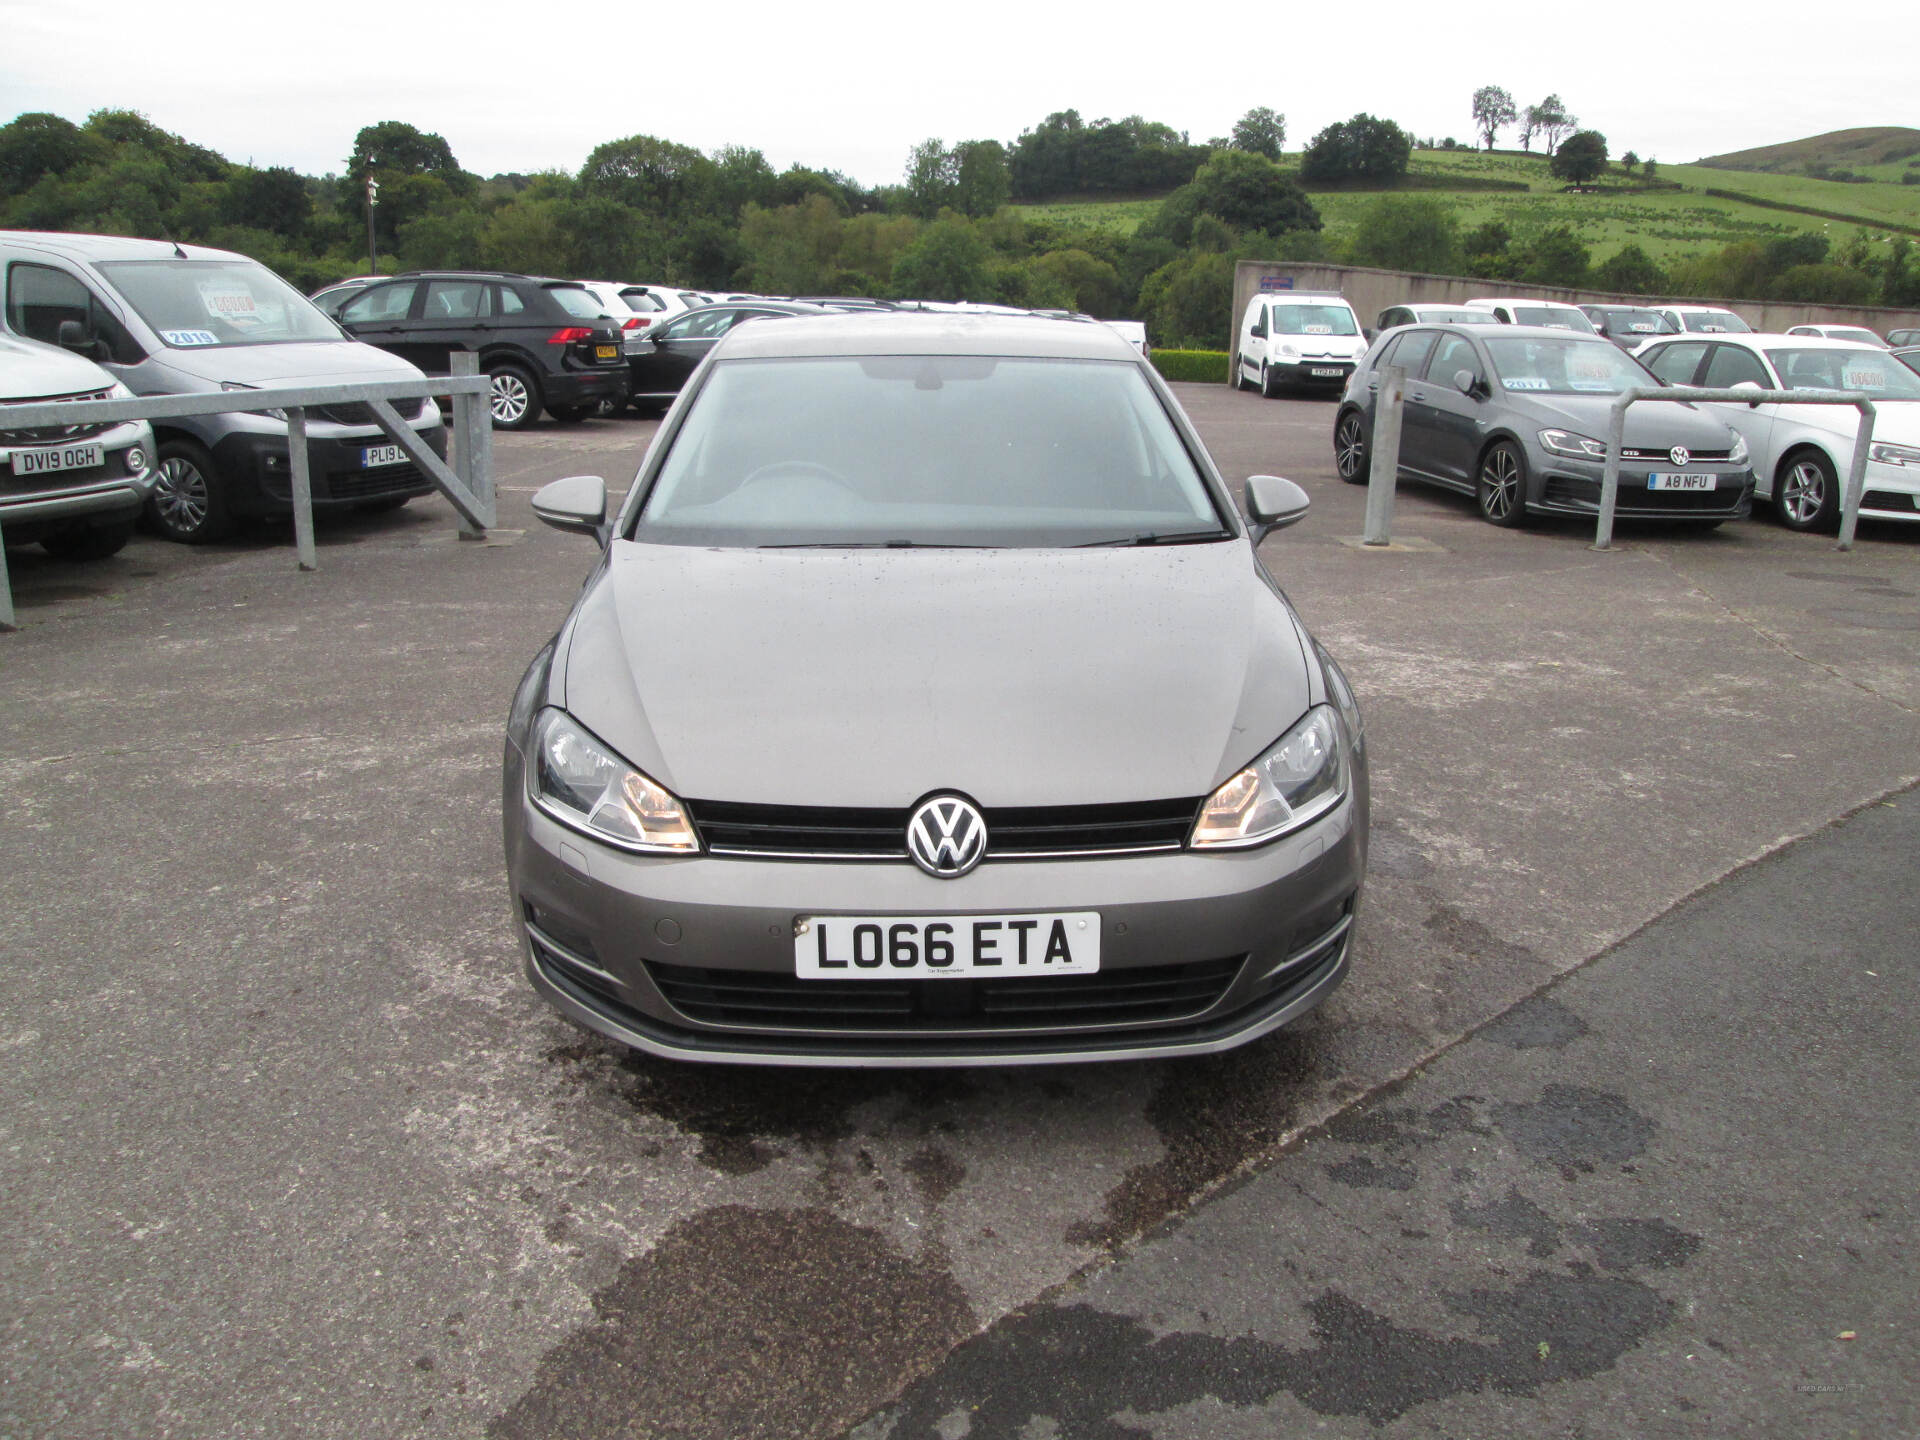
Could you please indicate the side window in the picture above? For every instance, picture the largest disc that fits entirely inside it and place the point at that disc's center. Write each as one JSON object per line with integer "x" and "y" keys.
{"x": 1412, "y": 349}
{"x": 1676, "y": 364}
{"x": 457, "y": 300}
{"x": 379, "y": 303}
{"x": 1728, "y": 365}
{"x": 39, "y": 297}
{"x": 1454, "y": 352}
{"x": 510, "y": 301}
{"x": 703, "y": 324}
{"x": 1259, "y": 330}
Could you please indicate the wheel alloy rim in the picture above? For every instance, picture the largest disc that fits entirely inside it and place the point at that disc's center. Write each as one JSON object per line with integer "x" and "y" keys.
{"x": 1805, "y": 492}
{"x": 1348, "y": 450}
{"x": 180, "y": 495}
{"x": 509, "y": 398}
{"x": 1501, "y": 476}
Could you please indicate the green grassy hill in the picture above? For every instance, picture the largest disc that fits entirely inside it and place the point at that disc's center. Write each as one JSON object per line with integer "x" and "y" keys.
{"x": 1678, "y": 217}
{"x": 1871, "y": 150}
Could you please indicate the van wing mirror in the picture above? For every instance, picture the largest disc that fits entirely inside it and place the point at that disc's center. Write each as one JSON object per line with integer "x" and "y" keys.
{"x": 1273, "y": 504}
{"x": 577, "y": 503}
{"x": 72, "y": 335}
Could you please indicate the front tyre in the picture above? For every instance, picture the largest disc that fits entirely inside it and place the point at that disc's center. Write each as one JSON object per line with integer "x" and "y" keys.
{"x": 1806, "y": 495}
{"x": 187, "y": 503}
{"x": 1501, "y": 486}
{"x": 1268, "y": 386}
{"x": 1350, "y": 448}
{"x": 515, "y": 399}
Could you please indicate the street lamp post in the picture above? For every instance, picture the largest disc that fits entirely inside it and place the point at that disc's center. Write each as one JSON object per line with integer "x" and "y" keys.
{"x": 373, "y": 258}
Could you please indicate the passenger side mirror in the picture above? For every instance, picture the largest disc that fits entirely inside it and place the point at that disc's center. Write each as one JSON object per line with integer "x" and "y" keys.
{"x": 1273, "y": 504}
{"x": 72, "y": 335}
{"x": 1467, "y": 383}
{"x": 1367, "y": 334}
{"x": 577, "y": 503}
{"x": 1748, "y": 385}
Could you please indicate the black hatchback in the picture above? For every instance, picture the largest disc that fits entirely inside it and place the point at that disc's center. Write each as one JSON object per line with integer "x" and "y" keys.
{"x": 545, "y": 343}
{"x": 671, "y": 352}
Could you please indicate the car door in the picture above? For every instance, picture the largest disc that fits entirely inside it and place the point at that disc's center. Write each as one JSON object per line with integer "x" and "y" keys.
{"x": 378, "y": 315}
{"x": 1730, "y": 365}
{"x": 678, "y": 348}
{"x": 1409, "y": 349}
{"x": 1450, "y": 416}
{"x": 454, "y": 315}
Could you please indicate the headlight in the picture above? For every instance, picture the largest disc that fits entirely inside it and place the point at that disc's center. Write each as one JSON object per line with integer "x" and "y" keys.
{"x": 1739, "y": 453}
{"x": 1894, "y": 454}
{"x": 577, "y": 780}
{"x": 119, "y": 392}
{"x": 236, "y": 385}
{"x": 1289, "y": 350}
{"x": 1565, "y": 442}
{"x": 1299, "y": 779}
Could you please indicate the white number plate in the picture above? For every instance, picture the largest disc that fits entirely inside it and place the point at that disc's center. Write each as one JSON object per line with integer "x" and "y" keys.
{"x": 924, "y": 947}
{"x": 381, "y": 455}
{"x": 67, "y": 457}
{"x": 1680, "y": 480}
{"x": 1329, "y": 373}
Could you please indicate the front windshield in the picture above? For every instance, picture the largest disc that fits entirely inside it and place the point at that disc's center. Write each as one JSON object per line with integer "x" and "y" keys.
{"x": 1564, "y": 367}
{"x": 1875, "y": 371}
{"x": 1853, "y": 333}
{"x": 1553, "y": 316}
{"x": 927, "y": 450}
{"x": 1313, "y": 320}
{"x": 1716, "y": 323}
{"x": 191, "y": 304}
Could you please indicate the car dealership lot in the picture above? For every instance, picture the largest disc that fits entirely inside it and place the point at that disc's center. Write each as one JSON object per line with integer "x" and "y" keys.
{"x": 290, "y": 1148}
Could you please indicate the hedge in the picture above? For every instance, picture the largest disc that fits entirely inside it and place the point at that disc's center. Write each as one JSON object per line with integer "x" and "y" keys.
{"x": 1207, "y": 366}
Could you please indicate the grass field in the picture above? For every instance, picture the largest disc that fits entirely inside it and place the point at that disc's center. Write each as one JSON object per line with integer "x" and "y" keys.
{"x": 1665, "y": 223}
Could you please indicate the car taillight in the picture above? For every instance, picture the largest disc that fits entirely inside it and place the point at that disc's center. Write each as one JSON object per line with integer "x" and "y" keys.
{"x": 638, "y": 322}
{"x": 569, "y": 335}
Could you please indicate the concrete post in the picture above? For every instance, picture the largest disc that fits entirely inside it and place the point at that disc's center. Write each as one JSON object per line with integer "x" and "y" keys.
{"x": 1856, "y": 479}
{"x": 1389, "y": 405}
{"x": 302, "y": 487}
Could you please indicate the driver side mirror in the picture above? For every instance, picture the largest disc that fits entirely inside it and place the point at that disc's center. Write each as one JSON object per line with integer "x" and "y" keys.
{"x": 1273, "y": 504}
{"x": 577, "y": 503}
{"x": 72, "y": 335}
{"x": 1467, "y": 383}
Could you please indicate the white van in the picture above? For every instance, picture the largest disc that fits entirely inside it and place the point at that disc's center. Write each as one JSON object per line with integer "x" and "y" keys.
{"x": 1516, "y": 310}
{"x": 1297, "y": 339}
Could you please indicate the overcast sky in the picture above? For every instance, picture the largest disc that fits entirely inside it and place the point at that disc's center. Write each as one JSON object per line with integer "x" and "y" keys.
{"x": 852, "y": 87}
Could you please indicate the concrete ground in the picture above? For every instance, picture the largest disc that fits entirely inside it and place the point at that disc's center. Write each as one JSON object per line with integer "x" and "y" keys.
{"x": 289, "y": 1148}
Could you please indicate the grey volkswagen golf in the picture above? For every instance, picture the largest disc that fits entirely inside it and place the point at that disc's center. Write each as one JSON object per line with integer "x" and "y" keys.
{"x": 929, "y": 705}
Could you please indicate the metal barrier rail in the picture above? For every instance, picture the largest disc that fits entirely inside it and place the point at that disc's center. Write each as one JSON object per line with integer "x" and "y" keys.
{"x": 1617, "y": 432}
{"x": 467, "y": 483}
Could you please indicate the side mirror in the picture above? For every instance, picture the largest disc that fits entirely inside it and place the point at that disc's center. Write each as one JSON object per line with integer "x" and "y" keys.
{"x": 1466, "y": 382}
{"x": 577, "y": 503}
{"x": 1273, "y": 504}
{"x": 1367, "y": 334}
{"x": 1748, "y": 385}
{"x": 72, "y": 335}
{"x": 1259, "y": 332}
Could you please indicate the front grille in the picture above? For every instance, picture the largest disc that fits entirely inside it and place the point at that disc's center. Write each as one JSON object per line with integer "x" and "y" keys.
{"x": 56, "y": 434}
{"x": 358, "y": 412}
{"x": 772, "y": 1001}
{"x": 1013, "y": 832}
{"x": 1889, "y": 500}
{"x": 371, "y": 484}
{"x": 1701, "y": 457}
{"x": 1585, "y": 495}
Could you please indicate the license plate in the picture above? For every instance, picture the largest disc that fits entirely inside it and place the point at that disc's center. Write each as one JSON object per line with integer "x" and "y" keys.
{"x": 607, "y": 352}
{"x": 67, "y": 457}
{"x": 381, "y": 455}
{"x": 924, "y": 947}
{"x": 1679, "y": 480}
{"x": 1328, "y": 373}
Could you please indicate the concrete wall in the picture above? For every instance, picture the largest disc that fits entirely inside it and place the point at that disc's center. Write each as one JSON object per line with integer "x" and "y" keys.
{"x": 1371, "y": 291}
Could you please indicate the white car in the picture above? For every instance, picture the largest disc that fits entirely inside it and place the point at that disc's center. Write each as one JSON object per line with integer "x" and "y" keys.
{"x": 1412, "y": 313}
{"x": 1802, "y": 454}
{"x": 1703, "y": 319}
{"x": 1858, "y": 334}
{"x": 1133, "y": 332}
{"x": 657, "y": 304}
{"x": 1289, "y": 338}
{"x": 633, "y": 322}
{"x": 1521, "y": 310}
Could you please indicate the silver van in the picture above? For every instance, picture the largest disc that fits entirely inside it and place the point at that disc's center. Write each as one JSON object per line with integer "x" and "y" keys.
{"x": 75, "y": 489}
{"x": 169, "y": 319}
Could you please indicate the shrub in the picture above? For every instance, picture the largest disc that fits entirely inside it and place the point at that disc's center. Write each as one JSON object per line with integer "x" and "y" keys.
{"x": 1208, "y": 367}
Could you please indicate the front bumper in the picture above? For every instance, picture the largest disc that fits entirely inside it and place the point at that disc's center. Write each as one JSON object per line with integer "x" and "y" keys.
{"x": 257, "y": 475}
{"x": 1572, "y": 487}
{"x": 101, "y": 494}
{"x": 1890, "y": 492}
{"x": 654, "y": 951}
{"x": 1310, "y": 371}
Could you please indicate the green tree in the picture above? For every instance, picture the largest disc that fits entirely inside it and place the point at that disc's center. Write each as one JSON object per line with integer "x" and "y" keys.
{"x": 1555, "y": 256}
{"x": 275, "y": 199}
{"x": 1408, "y": 232}
{"x": 1492, "y": 112}
{"x": 393, "y": 148}
{"x": 1250, "y": 192}
{"x": 947, "y": 262}
{"x": 1551, "y": 120}
{"x": 1082, "y": 282}
{"x": 1362, "y": 148}
{"x": 933, "y": 172}
{"x": 38, "y": 144}
{"x": 645, "y": 172}
{"x": 452, "y": 238}
{"x": 1631, "y": 271}
{"x": 1825, "y": 285}
{"x": 1581, "y": 157}
{"x": 1261, "y": 130}
{"x": 982, "y": 182}
{"x": 1628, "y": 162}
{"x": 526, "y": 237}
{"x": 1187, "y": 302}
{"x": 792, "y": 250}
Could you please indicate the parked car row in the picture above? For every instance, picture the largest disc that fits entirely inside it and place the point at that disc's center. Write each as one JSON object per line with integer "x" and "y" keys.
{"x": 1517, "y": 417}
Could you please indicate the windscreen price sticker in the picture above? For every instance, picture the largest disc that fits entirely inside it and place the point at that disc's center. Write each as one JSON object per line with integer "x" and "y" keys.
{"x": 224, "y": 303}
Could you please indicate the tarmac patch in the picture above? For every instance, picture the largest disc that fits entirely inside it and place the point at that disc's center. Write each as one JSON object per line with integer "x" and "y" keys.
{"x": 1539, "y": 1021}
{"x": 1574, "y": 1128}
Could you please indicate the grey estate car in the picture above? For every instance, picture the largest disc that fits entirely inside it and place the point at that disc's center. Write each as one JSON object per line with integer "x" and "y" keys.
{"x": 930, "y": 705}
{"x": 1517, "y": 417}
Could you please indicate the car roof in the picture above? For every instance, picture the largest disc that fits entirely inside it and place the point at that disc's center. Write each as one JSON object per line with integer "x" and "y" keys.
{"x": 1483, "y": 301}
{"x": 113, "y": 247}
{"x": 856, "y": 332}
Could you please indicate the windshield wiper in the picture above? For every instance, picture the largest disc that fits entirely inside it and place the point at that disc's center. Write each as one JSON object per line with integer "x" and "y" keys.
{"x": 873, "y": 545}
{"x": 1176, "y": 537}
